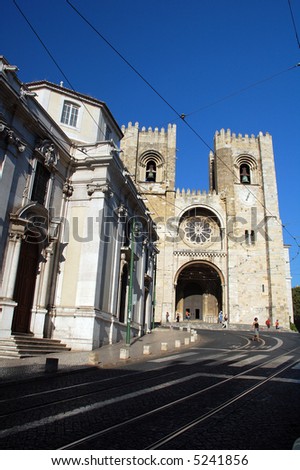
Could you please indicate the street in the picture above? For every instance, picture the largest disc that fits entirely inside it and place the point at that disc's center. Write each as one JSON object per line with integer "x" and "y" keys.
{"x": 227, "y": 393}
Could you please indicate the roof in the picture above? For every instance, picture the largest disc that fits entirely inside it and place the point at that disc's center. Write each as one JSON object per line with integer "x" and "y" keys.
{"x": 76, "y": 95}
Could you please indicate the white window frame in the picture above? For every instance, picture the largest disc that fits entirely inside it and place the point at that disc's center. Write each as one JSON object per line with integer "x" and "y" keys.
{"x": 70, "y": 118}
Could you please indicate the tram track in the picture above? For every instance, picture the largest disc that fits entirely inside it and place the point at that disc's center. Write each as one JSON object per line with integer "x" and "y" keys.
{"x": 104, "y": 433}
{"x": 139, "y": 385}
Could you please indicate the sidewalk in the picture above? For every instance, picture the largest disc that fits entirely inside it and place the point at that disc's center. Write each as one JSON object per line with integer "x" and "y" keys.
{"x": 115, "y": 355}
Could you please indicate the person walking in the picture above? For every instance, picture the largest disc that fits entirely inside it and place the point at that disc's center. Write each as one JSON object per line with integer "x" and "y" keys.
{"x": 277, "y": 325}
{"x": 220, "y": 316}
{"x": 255, "y": 325}
{"x": 225, "y": 322}
{"x": 268, "y": 323}
{"x": 167, "y": 316}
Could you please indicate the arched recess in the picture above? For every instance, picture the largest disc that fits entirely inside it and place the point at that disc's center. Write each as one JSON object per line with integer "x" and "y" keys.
{"x": 33, "y": 218}
{"x": 246, "y": 169}
{"x": 201, "y": 227}
{"x": 151, "y": 167}
{"x": 199, "y": 290}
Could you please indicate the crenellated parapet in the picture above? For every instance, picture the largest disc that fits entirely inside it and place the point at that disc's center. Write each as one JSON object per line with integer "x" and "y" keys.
{"x": 199, "y": 194}
{"x": 225, "y": 138}
{"x": 149, "y": 130}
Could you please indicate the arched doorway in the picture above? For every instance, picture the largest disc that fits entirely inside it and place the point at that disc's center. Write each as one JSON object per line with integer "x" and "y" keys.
{"x": 199, "y": 291}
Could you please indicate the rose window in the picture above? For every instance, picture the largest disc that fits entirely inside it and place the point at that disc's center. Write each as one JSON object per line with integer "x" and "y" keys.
{"x": 198, "y": 230}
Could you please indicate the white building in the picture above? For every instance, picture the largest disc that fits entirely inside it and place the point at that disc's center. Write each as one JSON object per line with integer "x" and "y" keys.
{"x": 69, "y": 211}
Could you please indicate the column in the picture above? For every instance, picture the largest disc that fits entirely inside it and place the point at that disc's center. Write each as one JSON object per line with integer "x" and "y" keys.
{"x": 7, "y": 304}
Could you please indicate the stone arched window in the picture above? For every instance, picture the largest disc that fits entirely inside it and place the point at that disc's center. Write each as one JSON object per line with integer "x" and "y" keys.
{"x": 245, "y": 176}
{"x": 151, "y": 167}
{"x": 246, "y": 168}
{"x": 151, "y": 171}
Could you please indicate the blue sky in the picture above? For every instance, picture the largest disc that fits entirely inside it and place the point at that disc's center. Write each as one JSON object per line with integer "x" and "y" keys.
{"x": 224, "y": 63}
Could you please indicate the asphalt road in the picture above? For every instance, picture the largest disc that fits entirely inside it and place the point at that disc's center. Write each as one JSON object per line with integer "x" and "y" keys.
{"x": 227, "y": 393}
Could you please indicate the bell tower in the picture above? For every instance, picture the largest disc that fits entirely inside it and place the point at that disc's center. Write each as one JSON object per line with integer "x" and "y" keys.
{"x": 150, "y": 157}
{"x": 244, "y": 177}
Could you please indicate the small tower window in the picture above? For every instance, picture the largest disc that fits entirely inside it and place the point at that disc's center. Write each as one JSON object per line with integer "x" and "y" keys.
{"x": 245, "y": 174}
{"x": 151, "y": 171}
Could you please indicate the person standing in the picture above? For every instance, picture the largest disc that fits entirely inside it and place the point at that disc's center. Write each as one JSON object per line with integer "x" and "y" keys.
{"x": 255, "y": 325}
{"x": 220, "y": 316}
{"x": 167, "y": 317}
{"x": 277, "y": 325}
{"x": 268, "y": 323}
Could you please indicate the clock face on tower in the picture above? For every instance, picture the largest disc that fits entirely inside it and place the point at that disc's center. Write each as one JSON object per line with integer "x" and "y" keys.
{"x": 247, "y": 196}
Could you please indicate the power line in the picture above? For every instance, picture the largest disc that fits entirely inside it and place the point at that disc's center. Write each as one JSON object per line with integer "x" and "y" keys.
{"x": 180, "y": 115}
{"x": 242, "y": 90}
{"x": 294, "y": 23}
{"x": 123, "y": 58}
{"x": 56, "y": 63}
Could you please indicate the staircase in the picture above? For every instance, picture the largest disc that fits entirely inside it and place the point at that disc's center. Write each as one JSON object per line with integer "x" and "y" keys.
{"x": 20, "y": 346}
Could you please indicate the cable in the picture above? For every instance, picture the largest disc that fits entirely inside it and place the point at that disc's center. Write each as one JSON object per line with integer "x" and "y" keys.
{"x": 123, "y": 58}
{"x": 180, "y": 115}
{"x": 294, "y": 23}
{"x": 242, "y": 90}
{"x": 56, "y": 63}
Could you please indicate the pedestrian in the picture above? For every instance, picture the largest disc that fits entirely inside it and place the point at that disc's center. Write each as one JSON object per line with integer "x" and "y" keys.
{"x": 167, "y": 316}
{"x": 225, "y": 322}
{"x": 187, "y": 315}
{"x": 177, "y": 317}
{"x": 255, "y": 325}
{"x": 268, "y": 323}
{"x": 220, "y": 316}
{"x": 277, "y": 325}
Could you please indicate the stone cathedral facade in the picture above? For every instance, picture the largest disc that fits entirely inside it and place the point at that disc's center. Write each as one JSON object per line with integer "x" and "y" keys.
{"x": 220, "y": 249}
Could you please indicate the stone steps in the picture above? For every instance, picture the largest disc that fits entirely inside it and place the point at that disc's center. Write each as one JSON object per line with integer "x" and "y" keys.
{"x": 20, "y": 346}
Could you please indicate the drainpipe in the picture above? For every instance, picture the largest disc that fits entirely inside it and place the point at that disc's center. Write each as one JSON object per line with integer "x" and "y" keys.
{"x": 129, "y": 310}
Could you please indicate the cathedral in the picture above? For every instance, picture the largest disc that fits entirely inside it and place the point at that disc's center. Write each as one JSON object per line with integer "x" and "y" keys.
{"x": 97, "y": 244}
{"x": 221, "y": 249}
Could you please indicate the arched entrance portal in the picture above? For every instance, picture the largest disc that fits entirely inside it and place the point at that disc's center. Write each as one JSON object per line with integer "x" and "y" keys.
{"x": 199, "y": 291}
{"x": 25, "y": 283}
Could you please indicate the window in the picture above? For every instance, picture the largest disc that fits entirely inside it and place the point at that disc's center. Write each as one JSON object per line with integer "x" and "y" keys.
{"x": 69, "y": 114}
{"x": 151, "y": 171}
{"x": 40, "y": 184}
{"x": 245, "y": 174}
{"x": 250, "y": 238}
{"x": 108, "y": 133}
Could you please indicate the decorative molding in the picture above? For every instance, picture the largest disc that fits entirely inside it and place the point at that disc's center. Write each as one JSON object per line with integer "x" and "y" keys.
{"x": 50, "y": 154}
{"x": 104, "y": 188}
{"x": 68, "y": 189}
{"x": 121, "y": 211}
{"x": 11, "y": 137}
{"x": 191, "y": 253}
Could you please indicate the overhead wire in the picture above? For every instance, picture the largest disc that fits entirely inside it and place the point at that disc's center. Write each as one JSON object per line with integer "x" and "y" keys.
{"x": 57, "y": 65}
{"x": 181, "y": 116}
{"x": 294, "y": 24}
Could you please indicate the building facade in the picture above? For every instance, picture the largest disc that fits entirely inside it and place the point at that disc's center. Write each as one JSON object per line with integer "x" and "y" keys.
{"x": 77, "y": 243}
{"x": 220, "y": 249}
